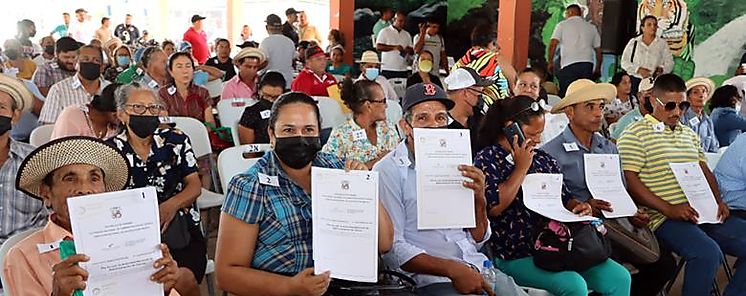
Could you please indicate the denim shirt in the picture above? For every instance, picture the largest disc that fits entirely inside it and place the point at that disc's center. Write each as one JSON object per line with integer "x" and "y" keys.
{"x": 704, "y": 128}
{"x": 728, "y": 124}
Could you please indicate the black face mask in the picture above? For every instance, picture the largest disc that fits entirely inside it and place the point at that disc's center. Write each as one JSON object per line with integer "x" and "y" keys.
{"x": 49, "y": 49}
{"x": 90, "y": 71}
{"x": 5, "y": 124}
{"x": 297, "y": 152}
{"x": 144, "y": 126}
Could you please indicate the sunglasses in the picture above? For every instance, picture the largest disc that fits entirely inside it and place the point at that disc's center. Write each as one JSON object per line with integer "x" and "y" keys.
{"x": 683, "y": 106}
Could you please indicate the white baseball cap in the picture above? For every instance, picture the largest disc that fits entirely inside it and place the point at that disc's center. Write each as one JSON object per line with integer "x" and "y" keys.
{"x": 465, "y": 77}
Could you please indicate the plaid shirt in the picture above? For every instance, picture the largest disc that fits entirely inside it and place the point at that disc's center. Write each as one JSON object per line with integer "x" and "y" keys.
{"x": 283, "y": 213}
{"x": 68, "y": 92}
{"x": 50, "y": 73}
{"x": 18, "y": 211}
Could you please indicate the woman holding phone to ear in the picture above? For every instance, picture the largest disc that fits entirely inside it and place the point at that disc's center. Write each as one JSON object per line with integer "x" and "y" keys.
{"x": 505, "y": 163}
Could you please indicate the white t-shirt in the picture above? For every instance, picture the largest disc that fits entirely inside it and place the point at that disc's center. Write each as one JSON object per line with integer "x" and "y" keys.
{"x": 578, "y": 40}
{"x": 81, "y": 32}
{"x": 392, "y": 60}
{"x": 433, "y": 44}
{"x": 280, "y": 51}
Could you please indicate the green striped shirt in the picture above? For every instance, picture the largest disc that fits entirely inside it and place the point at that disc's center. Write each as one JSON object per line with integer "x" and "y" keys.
{"x": 647, "y": 147}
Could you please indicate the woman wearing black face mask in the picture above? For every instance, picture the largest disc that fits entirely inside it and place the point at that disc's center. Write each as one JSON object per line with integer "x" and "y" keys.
{"x": 265, "y": 227}
{"x": 163, "y": 158}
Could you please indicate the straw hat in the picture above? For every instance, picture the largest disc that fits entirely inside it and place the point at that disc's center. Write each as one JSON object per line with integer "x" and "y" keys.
{"x": 18, "y": 91}
{"x": 703, "y": 81}
{"x": 369, "y": 57}
{"x": 72, "y": 150}
{"x": 251, "y": 52}
{"x": 584, "y": 90}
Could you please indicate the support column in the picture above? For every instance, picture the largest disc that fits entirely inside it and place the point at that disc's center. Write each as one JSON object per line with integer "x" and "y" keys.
{"x": 513, "y": 31}
{"x": 342, "y": 18}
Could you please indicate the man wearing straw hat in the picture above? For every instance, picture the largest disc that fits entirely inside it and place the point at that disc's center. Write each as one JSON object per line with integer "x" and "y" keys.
{"x": 584, "y": 105}
{"x": 52, "y": 173}
{"x": 249, "y": 62}
{"x": 698, "y": 91}
{"x": 17, "y": 211}
{"x": 370, "y": 68}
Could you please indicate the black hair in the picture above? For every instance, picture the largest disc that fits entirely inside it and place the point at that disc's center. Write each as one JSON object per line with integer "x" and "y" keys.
{"x": 723, "y": 97}
{"x": 575, "y": 7}
{"x": 100, "y": 52}
{"x": 66, "y": 44}
{"x": 482, "y": 35}
{"x": 668, "y": 83}
{"x": 272, "y": 78}
{"x": 647, "y": 17}
{"x": 428, "y": 52}
{"x": 167, "y": 42}
{"x": 147, "y": 54}
{"x": 179, "y": 54}
{"x": 337, "y": 36}
{"x": 292, "y": 98}
{"x": 355, "y": 94}
{"x": 304, "y": 44}
{"x": 104, "y": 19}
{"x": 65, "y": 13}
{"x": 617, "y": 78}
{"x": 106, "y": 102}
{"x": 516, "y": 109}
{"x": 23, "y": 25}
{"x": 217, "y": 41}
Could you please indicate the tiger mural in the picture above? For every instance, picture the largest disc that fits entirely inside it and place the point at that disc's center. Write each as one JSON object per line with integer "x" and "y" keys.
{"x": 484, "y": 61}
{"x": 673, "y": 24}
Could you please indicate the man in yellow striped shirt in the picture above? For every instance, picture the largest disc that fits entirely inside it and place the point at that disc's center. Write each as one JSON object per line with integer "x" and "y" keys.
{"x": 647, "y": 148}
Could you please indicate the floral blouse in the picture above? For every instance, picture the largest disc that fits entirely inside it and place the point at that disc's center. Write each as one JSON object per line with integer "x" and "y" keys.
{"x": 617, "y": 108}
{"x": 171, "y": 159}
{"x": 513, "y": 231}
{"x": 349, "y": 141}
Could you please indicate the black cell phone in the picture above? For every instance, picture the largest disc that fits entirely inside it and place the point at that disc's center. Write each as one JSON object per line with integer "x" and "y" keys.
{"x": 514, "y": 130}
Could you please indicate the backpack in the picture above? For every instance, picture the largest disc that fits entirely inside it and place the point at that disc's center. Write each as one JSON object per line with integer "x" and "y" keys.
{"x": 575, "y": 246}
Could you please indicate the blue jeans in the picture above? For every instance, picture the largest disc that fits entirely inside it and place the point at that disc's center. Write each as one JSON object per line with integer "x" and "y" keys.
{"x": 573, "y": 72}
{"x": 700, "y": 246}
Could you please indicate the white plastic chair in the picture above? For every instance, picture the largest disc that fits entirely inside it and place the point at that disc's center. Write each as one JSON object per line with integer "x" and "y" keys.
{"x": 399, "y": 85}
{"x": 9, "y": 243}
{"x": 41, "y": 135}
{"x": 553, "y": 99}
{"x": 230, "y": 114}
{"x": 393, "y": 111}
{"x": 331, "y": 113}
{"x": 231, "y": 161}
{"x": 214, "y": 87}
{"x": 200, "y": 139}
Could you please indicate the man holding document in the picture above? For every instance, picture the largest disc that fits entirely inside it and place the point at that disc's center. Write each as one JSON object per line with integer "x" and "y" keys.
{"x": 656, "y": 153}
{"x": 267, "y": 238}
{"x": 592, "y": 172}
{"x": 442, "y": 261}
{"x": 56, "y": 171}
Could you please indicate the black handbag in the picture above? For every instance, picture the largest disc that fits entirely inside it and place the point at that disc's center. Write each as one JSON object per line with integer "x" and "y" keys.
{"x": 177, "y": 236}
{"x": 570, "y": 246}
{"x": 636, "y": 245}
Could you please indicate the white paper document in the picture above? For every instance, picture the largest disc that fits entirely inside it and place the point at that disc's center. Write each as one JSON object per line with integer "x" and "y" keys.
{"x": 542, "y": 193}
{"x": 345, "y": 223}
{"x": 442, "y": 200}
{"x": 120, "y": 232}
{"x": 603, "y": 175}
{"x": 694, "y": 184}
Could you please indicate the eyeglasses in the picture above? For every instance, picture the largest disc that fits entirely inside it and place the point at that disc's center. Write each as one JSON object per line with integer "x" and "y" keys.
{"x": 672, "y": 105}
{"x": 153, "y": 109}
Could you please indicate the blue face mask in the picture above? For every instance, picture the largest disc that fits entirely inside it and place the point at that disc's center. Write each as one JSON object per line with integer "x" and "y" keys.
{"x": 123, "y": 61}
{"x": 371, "y": 73}
{"x": 200, "y": 77}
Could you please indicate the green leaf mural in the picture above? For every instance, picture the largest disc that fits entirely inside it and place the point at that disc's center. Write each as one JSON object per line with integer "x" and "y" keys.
{"x": 457, "y": 9}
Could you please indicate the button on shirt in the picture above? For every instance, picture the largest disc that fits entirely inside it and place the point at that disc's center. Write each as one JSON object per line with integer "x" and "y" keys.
{"x": 392, "y": 60}
{"x": 18, "y": 211}
{"x": 646, "y": 56}
{"x": 730, "y": 173}
{"x": 235, "y": 88}
{"x": 313, "y": 85}
{"x": 648, "y": 147}
{"x": 398, "y": 193}
{"x": 349, "y": 141}
{"x": 65, "y": 93}
{"x": 578, "y": 39}
{"x": 573, "y": 162}
{"x": 704, "y": 128}
{"x": 281, "y": 209}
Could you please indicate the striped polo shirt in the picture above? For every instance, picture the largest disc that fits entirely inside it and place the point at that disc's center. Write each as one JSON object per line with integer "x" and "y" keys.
{"x": 647, "y": 147}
